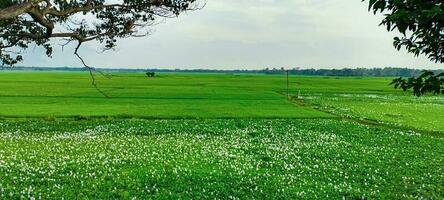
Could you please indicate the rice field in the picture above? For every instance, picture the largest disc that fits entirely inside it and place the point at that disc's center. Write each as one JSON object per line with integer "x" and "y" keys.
{"x": 217, "y": 136}
{"x": 425, "y": 113}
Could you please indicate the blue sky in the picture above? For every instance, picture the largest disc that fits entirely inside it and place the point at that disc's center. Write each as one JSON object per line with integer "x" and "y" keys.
{"x": 252, "y": 34}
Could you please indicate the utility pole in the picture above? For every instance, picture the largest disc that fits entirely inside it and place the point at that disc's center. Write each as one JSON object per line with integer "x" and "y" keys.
{"x": 288, "y": 85}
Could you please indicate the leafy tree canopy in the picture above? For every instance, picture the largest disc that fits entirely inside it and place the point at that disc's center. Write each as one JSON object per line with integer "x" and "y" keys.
{"x": 421, "y": 24}
{"x": 427, "y": 82}
{"x": 26, "y": 22}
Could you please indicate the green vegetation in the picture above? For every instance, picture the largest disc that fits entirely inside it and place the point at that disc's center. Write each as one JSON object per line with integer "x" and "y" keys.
{"x": 222, "y": 158}
{"x": 420, "y": 24}
{"x": 424, "y": 113}
{"x": 427, "y": 82}
{"x": 182, "y": 136}
{"x": 183, "y": 96}
{"x": 135, "y": 95}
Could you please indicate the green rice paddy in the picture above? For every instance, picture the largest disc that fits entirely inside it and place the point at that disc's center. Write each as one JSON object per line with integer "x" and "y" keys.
{"x": 216, "y": 136}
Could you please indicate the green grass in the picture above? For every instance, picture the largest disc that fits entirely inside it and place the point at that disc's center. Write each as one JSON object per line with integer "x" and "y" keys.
{"x": 217, "y": 136}
{"x": 184, "y": 96}
{"x": 426, "y": 113}
{"x": 134, "y": 95}
{"x": 221, "y": 158}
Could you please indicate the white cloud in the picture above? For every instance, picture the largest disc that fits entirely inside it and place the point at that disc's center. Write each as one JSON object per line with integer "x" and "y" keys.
{"x": 257, "y": 33}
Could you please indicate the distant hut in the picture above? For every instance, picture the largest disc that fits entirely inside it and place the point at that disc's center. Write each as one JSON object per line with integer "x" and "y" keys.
{"x": 150, "y": 74}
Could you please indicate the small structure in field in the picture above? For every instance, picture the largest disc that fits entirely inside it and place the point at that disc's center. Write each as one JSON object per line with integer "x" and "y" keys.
{"x": 150, "y": 74}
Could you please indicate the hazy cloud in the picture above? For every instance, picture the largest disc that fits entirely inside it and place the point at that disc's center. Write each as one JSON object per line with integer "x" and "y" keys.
{"x": 255, "y": 34}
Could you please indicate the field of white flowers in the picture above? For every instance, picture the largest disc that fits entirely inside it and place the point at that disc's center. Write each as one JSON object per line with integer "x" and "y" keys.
{"x": 218, "y": 159}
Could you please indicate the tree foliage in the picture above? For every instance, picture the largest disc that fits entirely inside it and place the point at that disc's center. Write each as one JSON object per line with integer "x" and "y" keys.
{"x": 421, "y": 24}
{"x": 427, "y": 82}
{"x": 27, "y": 22}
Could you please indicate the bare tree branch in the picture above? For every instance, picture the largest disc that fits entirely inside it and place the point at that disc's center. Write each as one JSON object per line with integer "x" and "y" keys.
{"x": 91, "y": 71}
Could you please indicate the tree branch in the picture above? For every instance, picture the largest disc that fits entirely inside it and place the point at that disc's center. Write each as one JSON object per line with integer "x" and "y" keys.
{"x": 91, "y": 71}
{"x": 17, "y": 10}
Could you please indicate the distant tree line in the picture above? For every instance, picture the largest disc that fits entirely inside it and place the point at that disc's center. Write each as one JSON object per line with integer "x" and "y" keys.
{"x": 371, "y": 72}
{"x": 374, "y": 72}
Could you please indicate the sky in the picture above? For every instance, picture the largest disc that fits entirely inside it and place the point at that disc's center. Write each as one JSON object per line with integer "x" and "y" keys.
{"x": 253, "y": 34}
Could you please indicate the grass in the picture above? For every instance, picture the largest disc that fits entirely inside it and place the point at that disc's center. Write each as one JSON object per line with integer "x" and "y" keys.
{"x": 425, "y": 113}
{"x": 220, "y": 158}
{"x": 216, "y": 136}
{"x": 134, "y": 95}
{"x": 204, "y": 96}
